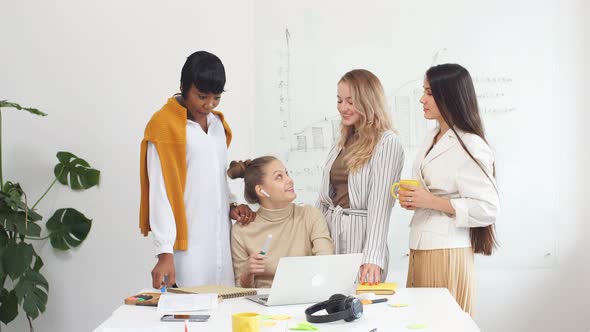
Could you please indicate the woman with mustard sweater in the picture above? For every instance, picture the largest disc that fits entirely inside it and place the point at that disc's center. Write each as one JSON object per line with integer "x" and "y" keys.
{"x": 185, "y": 198}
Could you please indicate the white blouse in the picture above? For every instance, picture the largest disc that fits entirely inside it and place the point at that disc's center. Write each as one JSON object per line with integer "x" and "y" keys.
{"x": 206, "y": 197}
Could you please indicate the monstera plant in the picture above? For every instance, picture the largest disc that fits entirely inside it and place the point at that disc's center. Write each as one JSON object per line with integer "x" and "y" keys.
{"x": 22, "y": 285}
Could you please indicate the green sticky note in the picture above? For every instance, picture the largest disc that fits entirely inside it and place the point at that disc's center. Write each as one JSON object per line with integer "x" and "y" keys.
{"x": 416, "y": 326}
{"x": 304, "y": 327}
{"x": 398, "y": 305}
{"x": 266, "y": 317}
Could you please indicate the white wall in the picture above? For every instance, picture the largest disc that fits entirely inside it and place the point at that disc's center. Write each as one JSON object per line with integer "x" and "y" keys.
{"x": 556, "y": 299}
{"x": 100, "y": 69}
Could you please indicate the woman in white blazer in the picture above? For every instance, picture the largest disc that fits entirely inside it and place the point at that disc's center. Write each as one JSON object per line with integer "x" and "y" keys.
{"x": 368, "y": 158}
{"x": 457, "y": 203}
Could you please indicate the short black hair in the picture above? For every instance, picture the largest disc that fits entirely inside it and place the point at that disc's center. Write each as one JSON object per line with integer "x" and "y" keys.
{"x": 205, "y": 71}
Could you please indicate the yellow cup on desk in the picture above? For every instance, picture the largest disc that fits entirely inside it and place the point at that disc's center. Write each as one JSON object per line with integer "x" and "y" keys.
{"x": 245, "y": 322}
{"x": 396, "y": 186}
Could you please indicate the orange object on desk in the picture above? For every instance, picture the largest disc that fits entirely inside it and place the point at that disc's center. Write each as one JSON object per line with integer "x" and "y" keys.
{"x": 386, "y": 288}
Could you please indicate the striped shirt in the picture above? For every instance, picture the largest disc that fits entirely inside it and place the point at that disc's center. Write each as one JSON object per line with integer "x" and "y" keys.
{"x": 363, "y": 228}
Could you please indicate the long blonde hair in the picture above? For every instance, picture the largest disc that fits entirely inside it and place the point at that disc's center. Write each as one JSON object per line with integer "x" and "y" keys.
{"x": 368, "y": 98}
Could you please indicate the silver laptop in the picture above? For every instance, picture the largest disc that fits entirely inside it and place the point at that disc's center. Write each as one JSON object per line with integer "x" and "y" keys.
{"x": 311, "y": 279}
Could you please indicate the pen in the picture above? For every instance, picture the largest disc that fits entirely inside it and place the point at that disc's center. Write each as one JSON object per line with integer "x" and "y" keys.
{"x": 163, "y": 288}
{"x": 266, "y": 245}
{"x": 374, "y": 301}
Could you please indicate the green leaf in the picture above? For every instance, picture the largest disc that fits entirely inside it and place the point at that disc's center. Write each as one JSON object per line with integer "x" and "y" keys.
{"x": 17, "y": 259}
{"x": 8, "y": 306}
{"x": 14, "y": 221}
{"x": 32, "y": 290}
{"x": 2, "y": 272}
{"x": 38, "y": 263}
{"x": 68, "y": 228}
{"x": 6, "y": 103}
{"x": 15, "y": 203}
{"x": 14, "y": 193}
{"x": 79, "y": 172}
{"x": 3, "y": 238}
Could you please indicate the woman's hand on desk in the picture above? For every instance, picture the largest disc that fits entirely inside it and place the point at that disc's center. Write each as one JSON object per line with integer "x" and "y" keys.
{"x": 254, "y": 265}
{"x": 370, "y": 273}
{"x": 164, "y": 267}
{"x": 242, "y": 214}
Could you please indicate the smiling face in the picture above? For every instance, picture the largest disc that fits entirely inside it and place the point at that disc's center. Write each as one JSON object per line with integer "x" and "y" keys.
{"x": 277, "y": 184}
{"x": 200, "y": 103}
{"x": 431, "y": 111}
{"x": 348, "y": 113}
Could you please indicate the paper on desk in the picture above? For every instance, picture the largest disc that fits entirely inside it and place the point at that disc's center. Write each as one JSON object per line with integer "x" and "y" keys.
{"x": 186, "y": 302}
{"x": 132, "y": 329}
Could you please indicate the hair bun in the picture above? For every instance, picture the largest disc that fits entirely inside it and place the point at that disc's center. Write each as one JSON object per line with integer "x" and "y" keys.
{"x": 237, "y": 168}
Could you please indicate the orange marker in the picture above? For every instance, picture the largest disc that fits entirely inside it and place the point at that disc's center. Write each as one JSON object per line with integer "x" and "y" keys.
{"x": 374, "y": 301}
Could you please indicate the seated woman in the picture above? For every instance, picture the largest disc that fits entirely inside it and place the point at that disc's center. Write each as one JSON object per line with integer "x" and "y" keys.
{"x": 296, "y": 230}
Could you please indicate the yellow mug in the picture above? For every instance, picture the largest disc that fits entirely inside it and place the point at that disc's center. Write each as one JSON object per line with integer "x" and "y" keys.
{"x": 245, "y": 322}
{"x": 415, "y": 183}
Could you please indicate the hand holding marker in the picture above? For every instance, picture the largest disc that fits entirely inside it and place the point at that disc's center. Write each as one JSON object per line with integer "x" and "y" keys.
{"x": 164, "y": 284}
{"x": 264, "y": 249}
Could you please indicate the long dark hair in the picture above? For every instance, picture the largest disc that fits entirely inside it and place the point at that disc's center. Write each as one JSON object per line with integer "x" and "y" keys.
{"x": 454, "y": 94}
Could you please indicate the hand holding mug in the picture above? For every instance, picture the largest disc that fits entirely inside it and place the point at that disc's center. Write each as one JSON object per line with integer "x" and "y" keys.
{"x": 397, "y": 187}
{"x": 414, "y": 197}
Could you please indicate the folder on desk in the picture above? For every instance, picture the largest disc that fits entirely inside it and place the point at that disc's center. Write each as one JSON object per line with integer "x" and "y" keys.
{"x": 224, "y": 292}
{"x": 386, "y": 288}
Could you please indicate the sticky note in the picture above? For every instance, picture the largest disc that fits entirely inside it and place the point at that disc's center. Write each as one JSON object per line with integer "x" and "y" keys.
{"x": 398, "y": 305}
{"x": 275, "y": 317}
{"x": 269, "y": 324}
{"x": 304, "y": 327}
{"x": 416, "y": 326}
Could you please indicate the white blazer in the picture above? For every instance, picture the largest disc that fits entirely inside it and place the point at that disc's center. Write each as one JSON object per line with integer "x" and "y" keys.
{"x": 448, "y": 171}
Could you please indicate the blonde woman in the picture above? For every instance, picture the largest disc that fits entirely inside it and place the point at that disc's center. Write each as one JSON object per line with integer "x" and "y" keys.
{"x": 354, "y": 193}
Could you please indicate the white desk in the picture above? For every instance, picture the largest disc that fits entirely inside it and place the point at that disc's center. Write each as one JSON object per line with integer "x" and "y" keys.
{"x": 434, "y": 307}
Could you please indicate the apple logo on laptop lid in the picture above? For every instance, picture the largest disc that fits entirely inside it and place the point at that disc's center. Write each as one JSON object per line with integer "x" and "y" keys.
{"x": 317, "y": 280}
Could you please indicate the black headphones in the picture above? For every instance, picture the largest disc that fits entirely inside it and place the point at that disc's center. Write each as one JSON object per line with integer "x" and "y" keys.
{"x": 338, "y": 307}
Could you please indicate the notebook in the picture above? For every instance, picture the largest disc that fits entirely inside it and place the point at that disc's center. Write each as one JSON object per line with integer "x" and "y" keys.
{"x": 386, "y": 288}
{"x": 224, "y": 292}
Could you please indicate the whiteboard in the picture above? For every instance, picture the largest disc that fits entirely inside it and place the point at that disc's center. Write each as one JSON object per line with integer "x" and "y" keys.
{"x": 304, "y": 47}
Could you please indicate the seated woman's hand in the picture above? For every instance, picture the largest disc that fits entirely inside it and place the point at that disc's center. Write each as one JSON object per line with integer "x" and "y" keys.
{"x": 254, "y": 265}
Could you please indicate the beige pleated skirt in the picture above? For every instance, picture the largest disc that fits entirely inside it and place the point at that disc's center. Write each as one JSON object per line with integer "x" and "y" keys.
{"x": 448, "y": 268}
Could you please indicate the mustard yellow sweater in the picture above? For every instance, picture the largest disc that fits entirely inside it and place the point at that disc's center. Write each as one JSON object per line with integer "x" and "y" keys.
{"x": 167, "y": 131}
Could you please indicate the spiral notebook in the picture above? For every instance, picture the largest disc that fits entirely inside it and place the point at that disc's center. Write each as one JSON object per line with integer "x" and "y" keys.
{"x": 224, "y": 292}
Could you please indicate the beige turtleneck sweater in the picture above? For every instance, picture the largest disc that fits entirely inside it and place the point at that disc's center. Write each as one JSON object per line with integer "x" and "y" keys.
{"x": 296, "y": 231}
